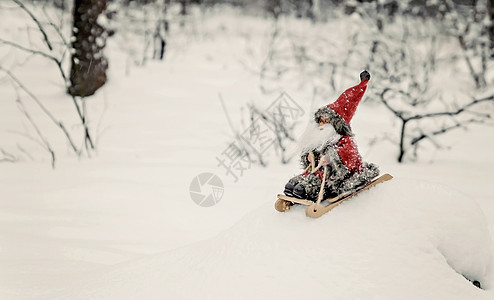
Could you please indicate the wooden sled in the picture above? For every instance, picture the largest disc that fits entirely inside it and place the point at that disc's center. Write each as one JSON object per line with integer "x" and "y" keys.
{"x": 320, "y": 207}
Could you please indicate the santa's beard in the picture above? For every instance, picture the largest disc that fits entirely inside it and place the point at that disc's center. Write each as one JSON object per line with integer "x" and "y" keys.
{"x": 316, "y": 136}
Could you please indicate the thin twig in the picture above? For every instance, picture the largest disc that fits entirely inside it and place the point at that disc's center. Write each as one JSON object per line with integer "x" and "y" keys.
{"x": 227, "y": 115}
{"x": 46, "y": 144}
{"x": 7, "y": 157}
{"x": 453, "y": 113}
{"x": 32, "y": 51}
{"x": 42, "y": 107}
{"x": 25, "y": 152}
{"x": 33, "y": 17}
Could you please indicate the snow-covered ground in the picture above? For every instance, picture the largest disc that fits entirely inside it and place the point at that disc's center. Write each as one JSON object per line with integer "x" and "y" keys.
{"x": 122, "y": 225}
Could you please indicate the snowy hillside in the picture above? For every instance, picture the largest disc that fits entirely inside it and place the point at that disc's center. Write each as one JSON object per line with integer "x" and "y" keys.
{"x": 384, "y": 244}
{"x": 122, "y": 224}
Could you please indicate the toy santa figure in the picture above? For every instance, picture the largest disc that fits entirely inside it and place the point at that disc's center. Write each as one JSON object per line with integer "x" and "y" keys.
{"x": 329, "y": 142}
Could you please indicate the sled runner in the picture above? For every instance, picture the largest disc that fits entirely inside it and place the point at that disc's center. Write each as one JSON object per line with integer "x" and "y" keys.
{"x": 319, "y": 208}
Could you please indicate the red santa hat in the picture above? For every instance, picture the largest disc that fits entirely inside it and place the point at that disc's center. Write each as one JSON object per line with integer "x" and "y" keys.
{"x": 340, "y": 113}
{"x": 346, "y": 104}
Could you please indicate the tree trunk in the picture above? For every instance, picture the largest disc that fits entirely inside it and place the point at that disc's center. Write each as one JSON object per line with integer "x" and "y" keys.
{"x": 490, "y": 7}
{"x": 88, "y": 71}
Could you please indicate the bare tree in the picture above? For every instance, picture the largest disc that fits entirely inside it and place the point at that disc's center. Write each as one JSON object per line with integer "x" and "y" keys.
{"x": 404, "y": 66}
{"x": 56, "y": 50}
{"x": 471, "y": 27}
{"x": 414, "y": 129}
{"x": 267, "y": 130}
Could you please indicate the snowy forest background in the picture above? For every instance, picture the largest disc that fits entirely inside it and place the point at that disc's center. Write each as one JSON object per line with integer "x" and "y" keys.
{"x": 109, "y": 109}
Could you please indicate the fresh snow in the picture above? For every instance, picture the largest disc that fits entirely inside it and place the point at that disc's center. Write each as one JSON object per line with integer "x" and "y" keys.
{"x": 377, "y": 246}
{"x": 122, "y": 225}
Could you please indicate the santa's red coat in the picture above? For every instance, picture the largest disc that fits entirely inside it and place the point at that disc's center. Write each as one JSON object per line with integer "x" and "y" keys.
{"x": 348, "y": 153}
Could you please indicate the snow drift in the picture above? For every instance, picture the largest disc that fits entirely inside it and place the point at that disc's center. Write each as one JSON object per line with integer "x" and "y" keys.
{"x": 403, "y": 239}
